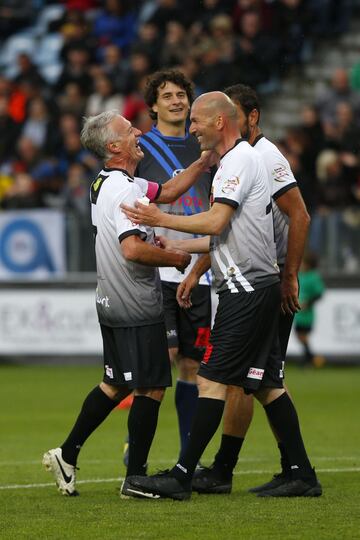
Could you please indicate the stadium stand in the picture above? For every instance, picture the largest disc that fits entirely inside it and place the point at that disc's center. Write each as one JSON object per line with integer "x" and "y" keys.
{"x": 61, "y": 60}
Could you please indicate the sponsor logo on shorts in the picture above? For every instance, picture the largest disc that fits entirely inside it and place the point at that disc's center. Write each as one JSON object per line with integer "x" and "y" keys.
{"x": 183, "y": 469}
{"x": 171, "y": 333}
{"x": 281, "y": 373}
{"x": 255, "y": 373}
{"x": 109, "y": 372}
{"x": 127, "y": 375}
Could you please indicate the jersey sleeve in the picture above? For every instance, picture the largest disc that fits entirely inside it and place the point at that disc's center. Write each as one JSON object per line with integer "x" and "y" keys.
{"x": 232, "y": 181}
{"x": 124, "y": 227}
{"x": 150, "y": 189}
{"x": 281, "y": 174}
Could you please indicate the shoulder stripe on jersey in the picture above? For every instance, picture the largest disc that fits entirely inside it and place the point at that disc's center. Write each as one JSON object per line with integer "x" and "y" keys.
{"x": 284, "y": 190}
{"x": 151, "y": 141}
{"x": 132, "y": 232}
{"x": 169, "y": 153}
{"x": 96, "y": 187}
{"x": 159, "y": 158}
{"x": 224, "y": 200}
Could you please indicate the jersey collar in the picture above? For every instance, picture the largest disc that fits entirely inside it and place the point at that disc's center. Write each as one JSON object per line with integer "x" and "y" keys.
{"x": 232, "y": 148}
{"x": 155, "y": 130}
{"x": 257, "y": 139}
{"x": 110, "y": 169}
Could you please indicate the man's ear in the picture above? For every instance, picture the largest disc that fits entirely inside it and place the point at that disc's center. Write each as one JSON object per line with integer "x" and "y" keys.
{"x": 114, "y": 147}
{"x": 253, "y": 118}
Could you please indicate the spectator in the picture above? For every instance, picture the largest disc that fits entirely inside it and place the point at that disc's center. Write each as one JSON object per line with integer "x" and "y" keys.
{"x": 116, "y": 23}
{"x": 27, "y": 71}
{"x": 9, "y": 130}
{"x": 39, "y": 127}
{"x": 22, "y": 194}
{"x": 258, "y": 54}
{"x": 76, "y": 70}
{"x": 339, "y": 91}
{"x": 174, "y": 48}
{"x": 149, "y": 41}
{"x": 104, "y": 98}
{"x": 72, "y": 100}
{"x": 114, "y": 66}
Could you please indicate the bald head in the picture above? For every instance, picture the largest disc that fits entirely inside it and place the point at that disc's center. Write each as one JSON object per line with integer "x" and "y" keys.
{"x": 216, "y": 103}
{"x": 214, "y": 121}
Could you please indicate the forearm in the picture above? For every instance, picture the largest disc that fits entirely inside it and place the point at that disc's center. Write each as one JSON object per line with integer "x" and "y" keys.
{"x": 192, "y": 245}
{"x": 172, "y": 189}
{"x": 202, "y": 265}
{"x": 297, "y": 235}
{"x": 150, "y": 255}
{"x": 196, "y": 224}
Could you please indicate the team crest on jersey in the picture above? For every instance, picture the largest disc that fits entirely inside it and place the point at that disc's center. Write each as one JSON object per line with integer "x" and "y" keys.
{"x": 230, "y": 185}
{"x": 279, "y": 173}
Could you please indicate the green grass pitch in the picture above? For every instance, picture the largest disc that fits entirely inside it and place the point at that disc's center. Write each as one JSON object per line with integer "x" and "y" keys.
{"x": 38, "y": 405}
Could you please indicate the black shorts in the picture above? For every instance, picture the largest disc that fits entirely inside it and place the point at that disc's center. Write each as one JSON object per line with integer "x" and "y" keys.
{"x": 136, "y": 357}
{"x": 244, "y": 348}
{"x": 188, "y": 329}
{"x": 303, "y": 329}
{"x": 285, "y": 324}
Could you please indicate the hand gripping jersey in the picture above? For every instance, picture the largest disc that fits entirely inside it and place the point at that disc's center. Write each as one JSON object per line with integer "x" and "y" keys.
{"x": 128, "y": 293}
{"x": 165, "y": 157}
{"x": 281, "y": 180}
{"x": 243, "y": 256}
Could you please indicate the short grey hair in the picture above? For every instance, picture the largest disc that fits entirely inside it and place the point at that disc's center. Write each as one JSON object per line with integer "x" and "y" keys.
{"x": 96, "y": 133}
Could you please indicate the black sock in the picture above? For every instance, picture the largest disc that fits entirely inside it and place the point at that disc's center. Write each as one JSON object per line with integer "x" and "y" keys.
{"x": 284, "y": 460}
{"x": 282, "y": 415}
{"x": 206, "y": 421}
{"x": 96, "y": 407}
{"x": 142, "y": 422}
{"x": 186, "y": 396}
{"x": 228, "y": 453}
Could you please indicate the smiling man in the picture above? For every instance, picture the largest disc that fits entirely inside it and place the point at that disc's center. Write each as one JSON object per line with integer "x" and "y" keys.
{"x": 168, "y": 149}
{"x": 128, "y": 297}
{"x": 244, "y": 347}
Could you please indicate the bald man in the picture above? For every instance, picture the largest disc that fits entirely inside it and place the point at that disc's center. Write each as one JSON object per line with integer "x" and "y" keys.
{"x": 244, "y": 347}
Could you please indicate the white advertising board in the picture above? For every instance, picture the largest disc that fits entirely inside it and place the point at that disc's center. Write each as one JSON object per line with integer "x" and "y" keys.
{"x": 64, "y": 322}
{"x": 49, "y": 321}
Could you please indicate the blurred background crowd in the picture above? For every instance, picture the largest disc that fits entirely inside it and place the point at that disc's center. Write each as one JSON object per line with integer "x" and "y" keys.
{"x": 60, "y": 61}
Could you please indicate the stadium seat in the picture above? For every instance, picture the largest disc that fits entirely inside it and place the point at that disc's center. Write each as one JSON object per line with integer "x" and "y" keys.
{"x": 49, "y": 49}
{"x": 51, "y": 72}
{"x": 47, "y": 15}
{"x": 14, "y": 45}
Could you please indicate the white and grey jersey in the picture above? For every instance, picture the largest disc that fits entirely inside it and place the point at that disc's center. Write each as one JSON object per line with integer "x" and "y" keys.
{"x": 243, "y": 256}
{"x": 128, "y": 293}
{"x": 281, "y": 180}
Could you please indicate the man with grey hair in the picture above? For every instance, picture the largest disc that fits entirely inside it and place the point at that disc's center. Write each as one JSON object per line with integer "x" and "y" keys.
{"x": 128, "y": 296}
{"x": 244, "y": 347}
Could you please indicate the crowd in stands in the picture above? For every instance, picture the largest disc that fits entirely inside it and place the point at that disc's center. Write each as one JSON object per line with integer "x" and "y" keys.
{"x": 60, "y": 61}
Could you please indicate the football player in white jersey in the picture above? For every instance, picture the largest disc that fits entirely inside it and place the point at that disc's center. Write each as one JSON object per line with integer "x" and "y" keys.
{"x": 128, "y": 297}
{"x": 244, "y": 265}
{"x": 291, "y": 223}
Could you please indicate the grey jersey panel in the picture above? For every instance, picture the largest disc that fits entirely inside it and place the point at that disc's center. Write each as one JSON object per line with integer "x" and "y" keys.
{"x": 127, "y": 294}
{"x": 243, "y": 256}
{"x": 281, "y": 179}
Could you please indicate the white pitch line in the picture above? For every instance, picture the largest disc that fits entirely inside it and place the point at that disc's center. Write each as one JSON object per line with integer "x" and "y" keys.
{"x": 170, "y": 460}
{"x": 119, "y": 479}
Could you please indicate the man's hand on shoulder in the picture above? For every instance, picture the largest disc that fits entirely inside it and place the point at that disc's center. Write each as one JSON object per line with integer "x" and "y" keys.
{"x": 209, "y": 158}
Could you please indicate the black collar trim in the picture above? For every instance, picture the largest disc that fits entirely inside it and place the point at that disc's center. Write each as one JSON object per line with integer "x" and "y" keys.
{"x": 110, "y": 169}
{"x": 260, "y": 136}
{"x": 232, "y": 148}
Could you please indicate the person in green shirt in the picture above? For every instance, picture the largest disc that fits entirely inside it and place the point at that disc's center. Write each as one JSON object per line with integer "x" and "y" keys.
{"x": 311, "y": 290}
